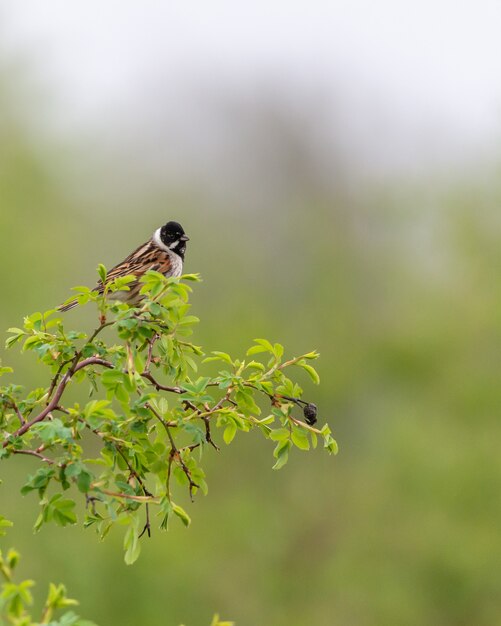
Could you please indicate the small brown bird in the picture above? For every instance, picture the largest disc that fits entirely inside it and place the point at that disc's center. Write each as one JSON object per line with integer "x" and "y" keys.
{"x": 164, "y": 253}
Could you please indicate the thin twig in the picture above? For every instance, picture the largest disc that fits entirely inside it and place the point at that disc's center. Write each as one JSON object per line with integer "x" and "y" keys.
{"x": 208, "y": 437}
{"x": 164, "y": 423}
{"x": 174, "y": 452}
{"x": 18, "y": 413}
{"x": 305, "y": 425}
{"x": 147, "y": 526}
{"x": 149, "y": 358}
{"x": 56, "y": 377}
{"x": 206, "y": 419}
{"x": 127, "y": 496}
{"x": 35, "y": 453}
{"x": 160, "y": 387}
{"x": 131, "y": 469}
{"x": 169, "y": 471}
{"x": 91, "y": 501}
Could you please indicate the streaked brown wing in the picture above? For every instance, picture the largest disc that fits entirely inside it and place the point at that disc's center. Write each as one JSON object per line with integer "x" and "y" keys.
{"x": 146, "y": 257}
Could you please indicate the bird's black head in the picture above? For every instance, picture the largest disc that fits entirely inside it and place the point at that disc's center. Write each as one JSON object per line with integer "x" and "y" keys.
{"x": 172, "y": 235}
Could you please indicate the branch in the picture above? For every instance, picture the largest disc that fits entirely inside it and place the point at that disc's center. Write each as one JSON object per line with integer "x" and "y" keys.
{"x": 56, "y": 377}
{"x": 35, "y": 453}
{"x": 149, "y": 358}
{"x": 18, "y": 413}
{"x": 147, "y": 526}
{"x": 128, "y": 496}
{"x": 57, "y": 395}
{"x": 160, "y": 387}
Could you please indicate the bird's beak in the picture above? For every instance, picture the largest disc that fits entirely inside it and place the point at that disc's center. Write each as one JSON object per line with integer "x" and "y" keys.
{"x": 184, "y": 238}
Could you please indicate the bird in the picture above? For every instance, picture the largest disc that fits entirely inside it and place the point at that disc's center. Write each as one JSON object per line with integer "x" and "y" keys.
{"x": 163, "y": 252}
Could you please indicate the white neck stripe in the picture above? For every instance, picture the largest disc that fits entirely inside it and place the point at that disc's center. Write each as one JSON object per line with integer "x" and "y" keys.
{"x": 158, "y": 242}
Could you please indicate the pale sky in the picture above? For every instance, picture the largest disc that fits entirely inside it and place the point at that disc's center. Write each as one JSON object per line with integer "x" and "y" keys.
{"x": 432, "y": 65}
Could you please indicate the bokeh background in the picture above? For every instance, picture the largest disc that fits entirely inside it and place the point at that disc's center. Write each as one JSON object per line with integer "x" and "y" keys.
{"x": 336, "y": 166}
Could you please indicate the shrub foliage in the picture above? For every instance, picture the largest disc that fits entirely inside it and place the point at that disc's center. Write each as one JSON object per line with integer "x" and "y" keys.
{"x": 153, "y": 404}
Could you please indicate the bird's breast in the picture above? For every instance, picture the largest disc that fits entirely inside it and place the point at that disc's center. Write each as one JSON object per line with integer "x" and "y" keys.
{"x": 176, "y": 265}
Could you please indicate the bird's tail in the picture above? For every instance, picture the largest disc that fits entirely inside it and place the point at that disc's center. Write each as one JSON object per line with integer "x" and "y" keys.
{"x": 68, "y": 305}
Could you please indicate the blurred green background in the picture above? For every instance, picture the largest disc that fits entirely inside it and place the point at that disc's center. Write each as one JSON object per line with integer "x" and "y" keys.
{"x": 395, "y": 280}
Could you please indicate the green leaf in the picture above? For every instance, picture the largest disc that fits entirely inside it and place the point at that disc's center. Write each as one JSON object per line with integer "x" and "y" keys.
{"x": 246, "y": 401}
{"x": 255, "y": 350}
{"x": 192, "y": 277}
{"x": 12, "y": 558}
{"x": 84, "y": 481}
{"x": 181, "y": 513}
{"x": 101, "y": 270}
{"x": 4, "y": 523}
{"x": 255, "y": 365}
{"x": 281, "y": 453}
{"x": 218, "y": 356}
{"x": 311, "y": 371}
{"x": 279, "y": 434}
{"x": 52, "y": 431}
{"x": 278, "y": 350}
{"x": 267, "y": 420}
{"x": 189, "y": 320}
{"x": 300, "y": 439}
{"x": 311, "y": 355}
{"x": 17, "y": 333}
{"x": 98, "y": 411}
{"x": 216, "y": 622}
{"x": 132, "y": 545}
{"x": 330, "y": 444}
{"x": 229, "y": 432}
{"x": 118, "y": 384}
{"x": 80, "y": 474}
{"x": 262, "y": 343}
{"x": 39, "y": 481}
{"x": 57, "y": 599}
{"x": 62, "y": 510}
{"x": 313, "y": 437}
